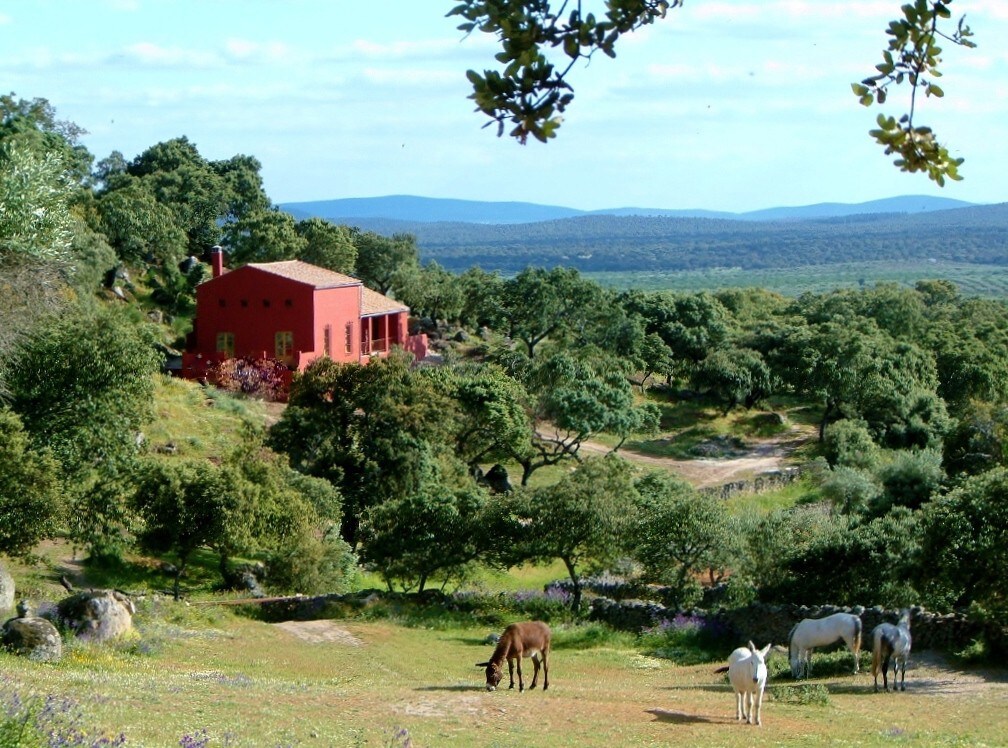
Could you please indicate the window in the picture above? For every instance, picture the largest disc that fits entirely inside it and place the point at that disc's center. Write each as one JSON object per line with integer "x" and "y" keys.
{"x": 288, "y": 302}
{"x": 284, "y": 345}
{"x": 222, "y": 302}
{"x": 327, "y": 340}
{"x": 225, "y": 343}
{"x": 266, "y": 303}
{"x": 349, "y": 337}
{"x": 244, "y": 302}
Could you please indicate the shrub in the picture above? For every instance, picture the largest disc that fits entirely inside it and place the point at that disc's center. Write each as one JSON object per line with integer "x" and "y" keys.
{"x": 850, "y": 490}
{"x": 267, "y": 378}
{"x": 849, "y": 443}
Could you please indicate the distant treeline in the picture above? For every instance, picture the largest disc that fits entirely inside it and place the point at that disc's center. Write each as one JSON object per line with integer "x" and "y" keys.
{"x": 624, "y": 243}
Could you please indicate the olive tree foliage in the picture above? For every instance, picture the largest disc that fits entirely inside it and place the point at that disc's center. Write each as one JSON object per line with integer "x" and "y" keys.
{"x": 964, "y": 545}
{"x": 183, "y": 506}
{"x": 572, "y": 399}
{"x": 83, "y": 386}
{"x": 361, "y": 428}
{"x": 31, "y": 506}
{"x": 487, "y": 410}
{"x": 251, "y": 504}
{"x": 385, "y": 263}
{"x": 36, "y": 222}
{"x": 37, "y": 228}
{"x": 433, "y": 292}
{"x": 585, "y": 520}
{"x": 542, "y": 41}
{"x": 682, "y": 534}
{"x": 434, "y": 532}
{"x": 328, "y": 245}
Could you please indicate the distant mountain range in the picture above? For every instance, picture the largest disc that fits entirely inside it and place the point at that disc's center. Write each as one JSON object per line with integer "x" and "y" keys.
{"x": 509, "y": 237}
{"x": 366, "y": 212}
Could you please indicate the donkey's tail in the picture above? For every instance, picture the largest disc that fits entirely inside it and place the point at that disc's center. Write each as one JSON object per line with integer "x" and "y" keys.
{"x": 857, "y": 634}
{"x": 722, "y": 669}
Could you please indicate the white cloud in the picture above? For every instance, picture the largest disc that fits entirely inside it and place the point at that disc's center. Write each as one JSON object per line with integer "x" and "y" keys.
{"x": 147, "y": 53}
{"x": 245, "y": 50}
{"x": 4, "y": 19}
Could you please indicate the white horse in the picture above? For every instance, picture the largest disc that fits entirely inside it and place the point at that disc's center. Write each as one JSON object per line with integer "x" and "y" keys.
{"x": 891, "y": 642}
{"x": 747, "y": 672}
{"x": 821, "y": 632}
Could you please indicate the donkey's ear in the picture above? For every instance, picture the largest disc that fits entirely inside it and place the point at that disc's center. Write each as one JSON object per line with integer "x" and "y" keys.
{"x": 752, "y": 647}
{"x": 765, "y": 649}
{"x": 483, "y": 664}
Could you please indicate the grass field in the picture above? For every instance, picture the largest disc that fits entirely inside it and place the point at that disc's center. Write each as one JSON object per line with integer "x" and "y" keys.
{"x": 987, "y": 281}
{"x": 215, "y": 679}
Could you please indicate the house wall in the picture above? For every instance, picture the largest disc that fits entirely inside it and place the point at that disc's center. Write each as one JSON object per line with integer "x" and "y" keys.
{"x": 338, "y": 307}
{"x": 254, "y": 306}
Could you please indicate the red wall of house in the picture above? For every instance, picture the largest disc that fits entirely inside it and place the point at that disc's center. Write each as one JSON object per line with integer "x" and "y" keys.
{"x": 338, "y": 307}
{"x": 257, "y": 305}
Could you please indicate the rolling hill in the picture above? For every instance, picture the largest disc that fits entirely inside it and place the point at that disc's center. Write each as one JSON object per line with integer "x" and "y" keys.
{"x": 781, "y": 237}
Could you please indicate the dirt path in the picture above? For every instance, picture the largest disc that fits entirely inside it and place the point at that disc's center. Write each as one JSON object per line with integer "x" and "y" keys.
{"x": 320, "y": 632}
{"x": 762, "y": 456}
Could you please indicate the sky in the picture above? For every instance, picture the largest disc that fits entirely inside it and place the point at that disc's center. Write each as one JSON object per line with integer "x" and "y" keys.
{"x": 730, "y": 105}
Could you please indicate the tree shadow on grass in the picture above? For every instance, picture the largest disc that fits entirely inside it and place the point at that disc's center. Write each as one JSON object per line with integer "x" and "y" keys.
{"x": 458, "y": 688}
{"x": 711, "y": 687}
{"x": 685, "y": 718}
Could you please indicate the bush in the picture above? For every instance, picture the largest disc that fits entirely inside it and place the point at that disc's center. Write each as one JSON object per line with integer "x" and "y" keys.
{"x": 910, "y": 480}
{"x": 312, "y": 565}
{"x": 850, "y": 490}
{"x": 848, "y": 443}
{"x": 267, "y": 378}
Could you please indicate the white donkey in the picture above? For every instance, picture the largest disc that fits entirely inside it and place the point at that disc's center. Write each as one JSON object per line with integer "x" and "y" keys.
{"x": 747, "y": 672}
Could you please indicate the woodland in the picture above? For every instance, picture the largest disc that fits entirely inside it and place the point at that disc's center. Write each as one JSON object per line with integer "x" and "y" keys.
{"x": 385, "y": 467}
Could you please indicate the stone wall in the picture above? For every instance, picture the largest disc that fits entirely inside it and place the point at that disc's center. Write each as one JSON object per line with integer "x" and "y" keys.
{"x": 764, "y": 623}
{"x": 768, "y": 481}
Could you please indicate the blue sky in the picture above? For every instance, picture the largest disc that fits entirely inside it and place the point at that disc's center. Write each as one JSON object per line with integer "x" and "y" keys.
{"x": 726, "y": 105}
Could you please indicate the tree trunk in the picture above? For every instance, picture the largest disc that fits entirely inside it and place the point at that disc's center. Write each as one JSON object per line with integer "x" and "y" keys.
{"x": 830, "y": 406}
{"x": 576, "y": 582}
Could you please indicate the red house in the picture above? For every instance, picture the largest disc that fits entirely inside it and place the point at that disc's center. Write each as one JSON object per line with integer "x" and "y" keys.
{"x": 294, "y": 312}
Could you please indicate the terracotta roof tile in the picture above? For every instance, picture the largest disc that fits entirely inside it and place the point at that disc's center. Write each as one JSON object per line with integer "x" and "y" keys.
{"x": 373, "y": 302}
{"x": 303, "y": 272}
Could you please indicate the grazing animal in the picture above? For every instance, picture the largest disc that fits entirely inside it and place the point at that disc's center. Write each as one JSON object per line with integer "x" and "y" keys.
{"x": 528, "y": 639}
{"x": 821, "y": 632}
{"x": 747, "y": 672}
{"x": 891, "y": 643}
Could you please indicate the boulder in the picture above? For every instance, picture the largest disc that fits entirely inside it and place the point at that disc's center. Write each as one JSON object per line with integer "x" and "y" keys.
{"x": 97, "y": 615}
{"x": 33, "y": 637}
{"x": 6, "y": 590}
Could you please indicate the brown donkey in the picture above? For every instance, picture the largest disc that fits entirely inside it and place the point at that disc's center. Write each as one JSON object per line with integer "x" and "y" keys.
{"x": 528, "y": 639}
